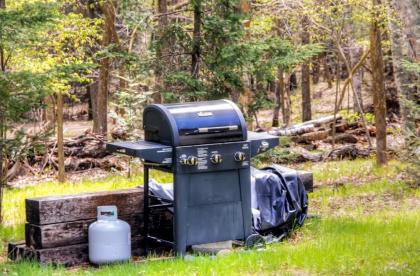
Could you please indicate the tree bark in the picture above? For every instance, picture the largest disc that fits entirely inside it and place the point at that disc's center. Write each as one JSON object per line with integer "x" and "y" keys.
{"x": 195, "y": 56}
{"x": 326, "y": 71}
{"x": 316, "y": 70}
{"x": 279, "y": 92}
{"x": 161, "y": 50}
{"x": 356, "y": 53}
{"x": 2, "y": 133}
{"x": 101, "y": 124}
{"x": 379, "y": 99}
{"x": 2, "y": 171}
{"x": 286, "y": 111}
{"x": 60, "y": 137}
{"x": 306, "y": 81}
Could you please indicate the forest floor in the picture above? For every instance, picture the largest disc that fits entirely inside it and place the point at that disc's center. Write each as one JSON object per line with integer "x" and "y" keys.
{"x": 365, "y": 221}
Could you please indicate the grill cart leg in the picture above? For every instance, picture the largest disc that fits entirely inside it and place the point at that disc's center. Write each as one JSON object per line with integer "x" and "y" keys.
{"x": 245, "y": 184}
{"x": 180, "y": 213}
{"x": 146, "y": 210}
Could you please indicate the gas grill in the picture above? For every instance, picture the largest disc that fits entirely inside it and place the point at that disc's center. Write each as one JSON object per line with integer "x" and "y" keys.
{"x": 207, "y": 148}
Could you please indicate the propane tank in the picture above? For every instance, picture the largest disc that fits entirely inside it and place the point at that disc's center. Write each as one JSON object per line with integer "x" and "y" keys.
{"x": 109, "y": 237}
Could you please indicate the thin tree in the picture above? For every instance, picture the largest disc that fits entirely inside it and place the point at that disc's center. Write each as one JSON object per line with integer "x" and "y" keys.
{"x": 195, "y": 56}
{"x": 306, "y": 81}
{"x": 279, "y": 92}
{"x": 378, "y": 87}
{"x": 2, "y": 128}
{"x": 60, "y": 137}
{"x": 101, "y": 124}
{"x": 162, "y": 49}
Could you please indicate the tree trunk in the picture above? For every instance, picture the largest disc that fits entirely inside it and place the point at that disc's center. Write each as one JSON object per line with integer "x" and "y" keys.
{"x": 316, "y": 70}
{"x": 306, "y": 81}
{"x": 286, "y": 111}
{"x": 405, "y": 45}
{"x": 161, "y": 50}
{"x": 195, "y": 56}
{"x": 2, "y": 133}
{"x": 93, "y": 95}
{"x": 60, "y": 137}
{"x": 326, "y": 71}
{"x": 356, "y": 53}
{"x": 279, "y": 92}
{"x": 292, "y": 81}
{"x": 377, "y": 65}
{"x": 101, "y": 124}
{"x": 2, "y": 170}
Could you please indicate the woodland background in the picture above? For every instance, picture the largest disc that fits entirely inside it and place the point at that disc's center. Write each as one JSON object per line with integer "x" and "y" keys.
{"x": 336, "y": 80}
{"x": 74, "y": 74}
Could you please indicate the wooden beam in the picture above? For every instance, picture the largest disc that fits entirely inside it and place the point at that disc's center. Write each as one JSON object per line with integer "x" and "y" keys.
{"x": 58, "y": 209}
{"x": 70, "y": 233}
{"x": 70, "y": 255}
{"x": 307, "y": 179}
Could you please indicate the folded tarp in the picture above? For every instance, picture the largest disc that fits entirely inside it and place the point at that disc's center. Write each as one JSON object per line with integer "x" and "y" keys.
{"x": 278, "y": 198}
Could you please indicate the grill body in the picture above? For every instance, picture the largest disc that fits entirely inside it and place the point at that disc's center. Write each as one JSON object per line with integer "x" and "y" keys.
{"x": 208, "y": 149}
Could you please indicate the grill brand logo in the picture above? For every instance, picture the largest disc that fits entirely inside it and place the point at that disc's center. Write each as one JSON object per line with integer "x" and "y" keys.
{"x": 205, "y": 114}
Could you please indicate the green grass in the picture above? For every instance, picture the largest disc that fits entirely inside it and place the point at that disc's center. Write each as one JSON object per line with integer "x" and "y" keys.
{"x": 353, "y": 172}
{"x": 366, "y": 227}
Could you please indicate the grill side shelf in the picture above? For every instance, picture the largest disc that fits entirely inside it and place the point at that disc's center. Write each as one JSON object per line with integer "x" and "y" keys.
{"x": 152, "y": 152}
{"x": 261, "y": 142}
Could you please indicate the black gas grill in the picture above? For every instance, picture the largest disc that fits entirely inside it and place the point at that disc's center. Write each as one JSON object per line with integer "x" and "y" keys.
{"x": 208, "y": 149}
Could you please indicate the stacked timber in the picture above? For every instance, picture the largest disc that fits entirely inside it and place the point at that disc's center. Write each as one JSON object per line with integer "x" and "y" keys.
{"x": 322, "y": 130}
{"x": 56, "y": 231}
{"x": 350, "y": 140}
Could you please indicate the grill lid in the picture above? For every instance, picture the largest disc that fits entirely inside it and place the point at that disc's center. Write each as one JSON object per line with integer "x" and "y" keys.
{"x": 194, "y": 123}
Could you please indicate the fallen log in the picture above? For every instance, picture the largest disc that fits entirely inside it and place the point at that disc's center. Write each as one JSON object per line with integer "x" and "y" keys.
{"x": 294, "y": 130}
{"x": 305, "y": 127}
{"x": 341, "y": 127}
{"x": 311, "y": 136}
{"x": 321, "y": 121}
{"x": 362, "y": 131}
{"x": 347, "y": 152}
{"x": 342, "y": 138}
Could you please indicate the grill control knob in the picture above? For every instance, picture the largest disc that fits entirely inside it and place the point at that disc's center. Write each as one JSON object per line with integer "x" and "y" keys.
{"x": 190, "y": 160}
{"x": 264, "y": 146}
{"x": 216, "y": 158}
{"x": 240, "y": 156}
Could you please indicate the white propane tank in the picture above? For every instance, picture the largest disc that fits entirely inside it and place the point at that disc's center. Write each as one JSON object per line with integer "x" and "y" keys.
{"x": 109, "y": 237}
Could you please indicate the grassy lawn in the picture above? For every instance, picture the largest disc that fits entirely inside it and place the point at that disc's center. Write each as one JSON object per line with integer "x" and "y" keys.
{"x": 367, "y": 223}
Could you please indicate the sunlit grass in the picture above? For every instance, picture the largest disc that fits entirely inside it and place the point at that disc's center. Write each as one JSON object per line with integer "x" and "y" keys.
{"x": 367, "y": 226}
{"x": 384, "y": 243}
{"x": 352, "y": 171}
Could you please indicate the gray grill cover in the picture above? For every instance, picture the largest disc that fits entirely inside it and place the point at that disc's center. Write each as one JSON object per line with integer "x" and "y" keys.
{"x": 278, "y": 198}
